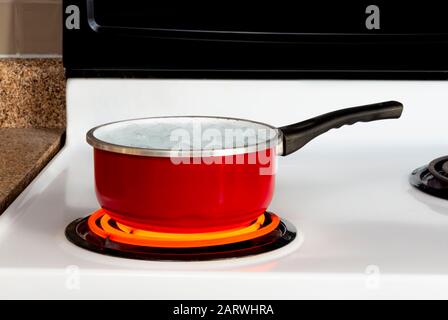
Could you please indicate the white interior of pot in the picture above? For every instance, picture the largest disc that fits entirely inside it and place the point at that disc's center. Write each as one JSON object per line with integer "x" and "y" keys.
{"x": 186, "y": 133}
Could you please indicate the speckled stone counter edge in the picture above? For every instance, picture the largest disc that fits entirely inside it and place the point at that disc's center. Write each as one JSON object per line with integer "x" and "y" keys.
{"x": 52, "y": 141}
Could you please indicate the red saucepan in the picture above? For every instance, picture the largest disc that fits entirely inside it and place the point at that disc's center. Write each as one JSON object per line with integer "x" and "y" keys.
{"x": 201, "y": 174}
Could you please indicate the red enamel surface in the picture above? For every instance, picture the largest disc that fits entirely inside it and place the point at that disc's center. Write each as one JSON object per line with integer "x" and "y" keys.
{"x": 155, "y": 194}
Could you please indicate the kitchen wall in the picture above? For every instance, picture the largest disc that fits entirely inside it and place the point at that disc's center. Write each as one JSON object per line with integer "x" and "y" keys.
{"x": 30, "y": 27}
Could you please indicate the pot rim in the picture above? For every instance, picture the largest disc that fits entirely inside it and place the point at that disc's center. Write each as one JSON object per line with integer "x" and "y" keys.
{"x": 274, "y": 142}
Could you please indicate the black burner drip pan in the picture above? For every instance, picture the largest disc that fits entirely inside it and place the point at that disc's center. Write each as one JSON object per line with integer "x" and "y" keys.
{"x": 78, "y": 232}
{"x": 433, "y": 178}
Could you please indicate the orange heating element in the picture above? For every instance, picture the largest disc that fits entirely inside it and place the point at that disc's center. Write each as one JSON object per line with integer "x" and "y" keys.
{"x": 102, "y": 225}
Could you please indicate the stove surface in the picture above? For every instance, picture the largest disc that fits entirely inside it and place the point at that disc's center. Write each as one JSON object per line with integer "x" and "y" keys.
{"x": 367, "y": 232}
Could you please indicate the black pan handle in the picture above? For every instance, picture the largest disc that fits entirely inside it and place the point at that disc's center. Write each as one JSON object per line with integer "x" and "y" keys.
{"x": 297, "y": 135}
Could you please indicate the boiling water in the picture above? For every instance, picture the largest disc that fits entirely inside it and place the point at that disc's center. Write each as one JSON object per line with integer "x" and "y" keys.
{"x": 180, "y": 133}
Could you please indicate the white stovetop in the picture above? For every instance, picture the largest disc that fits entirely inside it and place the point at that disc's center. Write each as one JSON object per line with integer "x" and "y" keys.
{"x": 368, "y": 233}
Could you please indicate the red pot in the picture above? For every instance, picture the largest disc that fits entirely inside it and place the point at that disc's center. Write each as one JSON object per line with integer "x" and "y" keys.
{"x": 145, "y": 180}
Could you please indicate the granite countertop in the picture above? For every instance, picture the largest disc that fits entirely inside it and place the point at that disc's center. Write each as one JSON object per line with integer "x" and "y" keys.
{"x": 32, "y": 121}
{"x": 24, "y": 152}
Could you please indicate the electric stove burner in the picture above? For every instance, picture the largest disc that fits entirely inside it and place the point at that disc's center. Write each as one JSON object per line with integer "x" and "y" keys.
{"x": 101, "y": 234}
{"x": 433, "y": 178}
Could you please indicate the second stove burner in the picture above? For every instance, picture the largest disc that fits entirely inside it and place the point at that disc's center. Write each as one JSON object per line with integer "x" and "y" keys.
{"x": 433, "y": 178}
{"x": 439, "y": 169}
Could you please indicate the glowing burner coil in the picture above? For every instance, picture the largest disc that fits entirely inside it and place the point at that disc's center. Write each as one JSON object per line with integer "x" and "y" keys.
{"x": 105, "y": 227}
{"x": 101, "y": 234}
